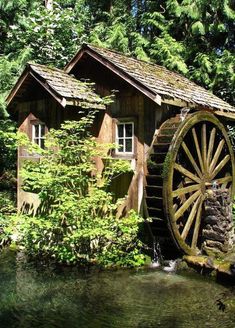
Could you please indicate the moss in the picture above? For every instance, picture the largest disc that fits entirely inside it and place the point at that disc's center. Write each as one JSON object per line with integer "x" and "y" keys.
{"x": 166, "y": 164}
{"x": 216, "y": 266}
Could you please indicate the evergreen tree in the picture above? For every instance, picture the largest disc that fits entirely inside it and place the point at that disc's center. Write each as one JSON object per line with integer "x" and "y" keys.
{"x": 193, "y": 37}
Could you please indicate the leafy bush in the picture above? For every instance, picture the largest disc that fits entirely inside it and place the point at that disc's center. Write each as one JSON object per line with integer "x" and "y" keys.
{"x": 7, "y": 208}
{"x": 7, "y": 177}
{"x": 7, "y": 150}
{"x": 77, "y": 219}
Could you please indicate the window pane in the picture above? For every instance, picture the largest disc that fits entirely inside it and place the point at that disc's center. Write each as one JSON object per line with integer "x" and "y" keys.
{"x": 129, "y": 132}
{"x": 120, "y": 145}
{"x": 125, "y": 137}
{"x": 120, "y": 130}
{"x": 129, "y": 145}
{"x": 42, "y": 130}
{"x": 36, "y": 131}
{"x": 43, "y": 143}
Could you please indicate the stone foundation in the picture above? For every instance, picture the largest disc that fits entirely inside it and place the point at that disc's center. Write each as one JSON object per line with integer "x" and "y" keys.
{"x": 218, "y": 230}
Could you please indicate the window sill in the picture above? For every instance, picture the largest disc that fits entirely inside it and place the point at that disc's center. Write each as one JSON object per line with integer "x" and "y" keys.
{"x": 124, "y": 156}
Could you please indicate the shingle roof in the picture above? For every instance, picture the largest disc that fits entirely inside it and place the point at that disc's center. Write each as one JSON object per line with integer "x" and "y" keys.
{"x": 160, "y": 80}
{"x": 63, "y": 86}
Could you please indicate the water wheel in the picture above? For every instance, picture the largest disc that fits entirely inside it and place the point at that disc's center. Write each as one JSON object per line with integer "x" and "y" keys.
{"x": 188, "y": 157}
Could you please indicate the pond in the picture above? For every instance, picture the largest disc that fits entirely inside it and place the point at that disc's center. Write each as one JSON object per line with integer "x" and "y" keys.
{"x": 140, "y": 298}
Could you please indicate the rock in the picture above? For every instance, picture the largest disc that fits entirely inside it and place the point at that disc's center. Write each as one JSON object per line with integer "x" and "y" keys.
{"x": 213, "y": 235}
{"x": 218, "y": 232}
{"x": 210, "y": 211}
{"x": 211, "y": 219}
{"x": 219, "y": 229}
{"x": 221, "y": 247}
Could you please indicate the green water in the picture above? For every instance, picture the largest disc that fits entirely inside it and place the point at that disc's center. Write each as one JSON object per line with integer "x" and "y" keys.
{"x": 30, "y": 297}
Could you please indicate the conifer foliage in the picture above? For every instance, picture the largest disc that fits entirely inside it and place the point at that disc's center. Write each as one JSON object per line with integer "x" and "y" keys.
{"x": 193, "y": 37}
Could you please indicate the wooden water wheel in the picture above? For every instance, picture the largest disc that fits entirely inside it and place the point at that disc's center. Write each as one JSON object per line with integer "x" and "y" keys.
{"x": 188, "y": 157}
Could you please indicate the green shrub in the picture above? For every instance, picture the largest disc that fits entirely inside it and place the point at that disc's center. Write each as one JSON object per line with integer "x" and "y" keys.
{"x": 7, "y": 208}
{"x": 77, "y": 219}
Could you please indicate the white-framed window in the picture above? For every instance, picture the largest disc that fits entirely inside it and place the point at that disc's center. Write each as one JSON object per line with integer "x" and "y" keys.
{"x": 38, "y": 134}
{"x": 125, "y": 137}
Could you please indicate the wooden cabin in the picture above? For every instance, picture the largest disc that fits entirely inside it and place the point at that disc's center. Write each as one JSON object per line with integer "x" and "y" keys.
{"x": 150, "y": 109}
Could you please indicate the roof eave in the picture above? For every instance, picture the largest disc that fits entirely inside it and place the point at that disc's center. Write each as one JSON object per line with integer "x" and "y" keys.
{"x": 17, "y": 86}
{"x": 84, "y": 104}
{"x": 26, "y": 73}
{"x": 156, "y": 97}
{"x": 61, "y": 100}
{"x": 105, "y": 62}
{"x": 136, "y": 84}
{"x": 227, "y": 115}
{"x": 68, "y": 67}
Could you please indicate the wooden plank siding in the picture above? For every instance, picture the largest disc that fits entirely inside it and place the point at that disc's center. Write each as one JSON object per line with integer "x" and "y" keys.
{"x": 129, "y": 104}
{"x": 44, "y": 110}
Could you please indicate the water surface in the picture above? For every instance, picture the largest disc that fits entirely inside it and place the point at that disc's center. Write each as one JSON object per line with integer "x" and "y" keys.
{"x": 142, "y": 298}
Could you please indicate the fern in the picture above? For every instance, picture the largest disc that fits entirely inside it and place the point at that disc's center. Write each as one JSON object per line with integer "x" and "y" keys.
{"x": 139, "y": 44}
{"x": 155, "y": 20}
{"x": 117, "y": 37}
{"x": 191, "y": 8}
{"x": 170, "y": 53}
{"x": 174, "y": 7}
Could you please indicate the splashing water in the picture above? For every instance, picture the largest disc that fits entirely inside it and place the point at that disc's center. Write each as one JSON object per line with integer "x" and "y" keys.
{"x": 157, "y": 256}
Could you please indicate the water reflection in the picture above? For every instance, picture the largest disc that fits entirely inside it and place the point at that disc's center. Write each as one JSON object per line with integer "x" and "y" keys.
{"x": 142, "y": 298}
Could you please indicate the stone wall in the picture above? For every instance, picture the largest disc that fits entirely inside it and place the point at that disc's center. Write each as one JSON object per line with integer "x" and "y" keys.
{"x": 218, "y": 230}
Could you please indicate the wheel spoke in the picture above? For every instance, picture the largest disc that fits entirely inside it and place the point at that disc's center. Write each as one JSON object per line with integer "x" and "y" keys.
{"x": 194, "y": 164}
{"x": 226, "y": 179}
{"x": 217, "y": 155}
{"x": 186, "y": 205}
{"x": 211, "y": 146}
{"x": 187, "y": 173}
{"x": 183, "y": 191}
{"x": 204, "y": 147}
{"x": 190, "y": 219}
{"x": 197, "y": 225}
{"x": 220, "y": 166}
{"x": 198, "y": 149}
{"x": 175, "y": 206}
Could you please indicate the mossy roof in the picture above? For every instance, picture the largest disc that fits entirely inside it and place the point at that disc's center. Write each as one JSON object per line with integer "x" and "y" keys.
{"x": 156, "y": 79}
{"x": 59, "y": 84}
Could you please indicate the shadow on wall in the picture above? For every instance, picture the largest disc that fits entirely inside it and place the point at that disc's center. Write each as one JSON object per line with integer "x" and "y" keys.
{"x": 120, "y": 185}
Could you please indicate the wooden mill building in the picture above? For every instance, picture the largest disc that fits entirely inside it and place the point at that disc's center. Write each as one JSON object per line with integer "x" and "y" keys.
{"x": 172, "y": 131}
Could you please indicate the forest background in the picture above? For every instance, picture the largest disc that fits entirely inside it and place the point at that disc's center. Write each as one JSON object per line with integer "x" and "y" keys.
{"x": 193, "y": 37}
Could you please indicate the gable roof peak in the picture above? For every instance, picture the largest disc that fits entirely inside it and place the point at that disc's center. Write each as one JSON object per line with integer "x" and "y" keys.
{"x": 155, "y": 81}
{"x": 64, "y": 88}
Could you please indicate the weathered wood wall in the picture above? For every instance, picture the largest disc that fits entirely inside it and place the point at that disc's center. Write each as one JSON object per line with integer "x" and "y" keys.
{"x": 44, "y": 110}
{"x": 132, "y": 105}
{"x": 129, "y": 104}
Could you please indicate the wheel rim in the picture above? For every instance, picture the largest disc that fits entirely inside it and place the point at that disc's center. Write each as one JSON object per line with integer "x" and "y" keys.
{"x": 200, "y": 158}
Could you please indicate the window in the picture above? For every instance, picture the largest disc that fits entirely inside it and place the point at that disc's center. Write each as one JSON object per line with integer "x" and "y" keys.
{"x": 125, "y": 138}
{"x": 38, "y": 134}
